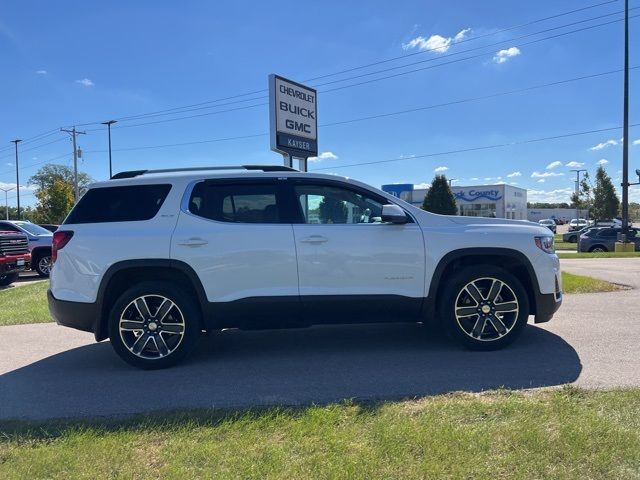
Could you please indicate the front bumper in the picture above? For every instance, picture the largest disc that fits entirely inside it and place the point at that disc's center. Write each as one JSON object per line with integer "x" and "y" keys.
{"x": 9, "y": 263}
{"x": 78, "y": 315}
{"x": 546, "y": 305}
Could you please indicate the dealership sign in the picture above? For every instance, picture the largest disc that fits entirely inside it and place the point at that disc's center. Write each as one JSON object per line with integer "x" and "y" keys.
{"x": 293, "y": 118}
{"x": 473, "y": 195}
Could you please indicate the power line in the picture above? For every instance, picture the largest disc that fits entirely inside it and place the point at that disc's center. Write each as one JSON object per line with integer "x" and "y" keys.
{"x": 370, "y": 80}
{"x": 381, "y": 115}
{"x": 182, "y": 109}
{"x": 24, "y": 167}
{"x": 474, "y": 149}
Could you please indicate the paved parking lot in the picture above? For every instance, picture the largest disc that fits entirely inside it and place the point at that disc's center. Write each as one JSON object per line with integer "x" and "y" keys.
{"x": 48, "y": 371}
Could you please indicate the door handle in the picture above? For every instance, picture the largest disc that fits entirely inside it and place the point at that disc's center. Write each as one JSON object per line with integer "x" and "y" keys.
{"x": 193, "y": 242}
{"x": 315, "y": 239}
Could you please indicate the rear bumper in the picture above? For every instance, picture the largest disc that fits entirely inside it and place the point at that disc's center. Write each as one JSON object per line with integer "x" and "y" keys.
{"x": 78, "y": 315}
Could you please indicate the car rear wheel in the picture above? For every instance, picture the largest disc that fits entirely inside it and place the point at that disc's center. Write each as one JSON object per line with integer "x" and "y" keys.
{"x": 42, "y": 265}
{"x": 484, "y": 308}
{"x": 598, "y": 249}
{"x": 154, "y": 325}
{"x": 7, "y": 279}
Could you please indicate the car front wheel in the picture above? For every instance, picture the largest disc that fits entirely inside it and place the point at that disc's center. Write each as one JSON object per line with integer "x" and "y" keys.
{"x": 7, "y": 279}
{"x": 484, "y": 308}
{"x": 154, "y": 325}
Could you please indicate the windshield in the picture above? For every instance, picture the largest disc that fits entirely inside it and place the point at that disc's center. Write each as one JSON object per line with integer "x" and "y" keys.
{"x": 33, "y": 229}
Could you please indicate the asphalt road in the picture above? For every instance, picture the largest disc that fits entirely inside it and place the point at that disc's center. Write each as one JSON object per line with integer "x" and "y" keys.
{"x": 47, "y": 371}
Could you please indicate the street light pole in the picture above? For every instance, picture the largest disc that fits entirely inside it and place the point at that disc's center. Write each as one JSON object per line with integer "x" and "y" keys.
{"x": 6, "y": 201}
{"x": 451, "y": 180}
{"x": 16, "y": 142}
{"x": 578, "y": 193}
{"x": 625, "y": 130}
{"x": 108, "y": 124}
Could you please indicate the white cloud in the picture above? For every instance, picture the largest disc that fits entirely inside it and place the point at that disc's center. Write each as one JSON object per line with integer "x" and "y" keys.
{"x": 505, "y": 54}
{"x": 513, "y": 183}
{"x": 603, "y": 161}
{"x": 575, "y": 164}
{"x": 461, "y": 35}
{"x": 422, "y": 186}
{"x": 23, "y": 188}
{"x": 542, "y": 180}
{"x": 322, "y": 156}
{"x": 474, "y": 179}
{"x": 545, "y": 174}
{"x": 41, "y": 72}
{"x": 608, "y": 143}
{"x": 435, "y": 43}
{"x": 441, "y": 169}
{"x": 553, "y": 165}
{"x": 636, "y": 142}
{"x": 550, "y": 196}
{"x": 85, "y": 82}
{"x": 514, "y": 174}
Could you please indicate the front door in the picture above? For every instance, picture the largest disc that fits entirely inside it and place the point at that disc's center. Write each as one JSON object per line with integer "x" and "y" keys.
{"x": 351, "y": 265}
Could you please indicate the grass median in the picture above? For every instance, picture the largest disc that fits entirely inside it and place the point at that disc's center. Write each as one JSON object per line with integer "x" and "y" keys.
{"x": 599, "y": 255}
{"x": 565, "y": 433}
{"x": 24, "y": 304}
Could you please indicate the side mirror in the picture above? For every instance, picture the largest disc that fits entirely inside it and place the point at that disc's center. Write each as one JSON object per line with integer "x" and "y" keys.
{"x": 393, "y": 214}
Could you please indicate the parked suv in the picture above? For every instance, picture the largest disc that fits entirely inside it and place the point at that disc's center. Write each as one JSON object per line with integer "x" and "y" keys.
{"x": 150, "y": 259}
{"x": 39, "y": 243}
{"x": 604, "y": 239}
{"x": 549, "y": 223}
{"x": 14, "y": 256}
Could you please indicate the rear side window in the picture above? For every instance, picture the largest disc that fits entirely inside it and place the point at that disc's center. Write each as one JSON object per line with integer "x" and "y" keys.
{"x": 119, "y": 204}
{"x": 239, "y": 203}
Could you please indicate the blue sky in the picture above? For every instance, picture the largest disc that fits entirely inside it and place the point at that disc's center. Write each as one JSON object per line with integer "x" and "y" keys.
{"x": 83, "y": 62}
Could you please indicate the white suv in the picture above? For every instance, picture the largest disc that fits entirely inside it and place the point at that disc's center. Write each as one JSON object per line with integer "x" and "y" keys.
{"x": 150, "y": 259}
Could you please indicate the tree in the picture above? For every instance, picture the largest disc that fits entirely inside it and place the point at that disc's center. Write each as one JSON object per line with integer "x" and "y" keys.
{"x": 634, "y": 211}
{"x": 583, "y": 198}
{"x": 55, "y": 192}
{"x": 332, "y": 210}
{"x": 439, "y": 198}
{"x": 606, "y": 203}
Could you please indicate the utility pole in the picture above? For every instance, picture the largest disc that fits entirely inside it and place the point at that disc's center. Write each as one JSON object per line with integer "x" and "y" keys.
{"x": 578, "y": 192}
{"x": 451, "y": 180}
{"x": 625, "y": 131}
{"x": 6, "y": 201}
{"x": 108, "y": 124}
{"x": 74, "y": 133}
{"x": 16, "y": 142}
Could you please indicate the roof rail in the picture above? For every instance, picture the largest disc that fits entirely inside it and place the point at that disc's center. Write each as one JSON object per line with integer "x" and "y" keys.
{"x": 263, "y": 168}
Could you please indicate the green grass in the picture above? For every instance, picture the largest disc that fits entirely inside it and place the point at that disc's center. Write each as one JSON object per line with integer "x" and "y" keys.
{"x": 561, "y": 434}
{"x": 24, "y": 304}
{"x": 560, "y": 245}
{"x": 599, "y": 255}
{"x": 579, "y": 284}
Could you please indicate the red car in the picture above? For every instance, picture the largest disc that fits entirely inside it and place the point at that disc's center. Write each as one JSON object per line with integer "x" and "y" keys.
{"x": 14, "y": 256}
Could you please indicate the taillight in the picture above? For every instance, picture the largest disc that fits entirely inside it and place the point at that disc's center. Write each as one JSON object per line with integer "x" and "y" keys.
{"x": 60, "y": 239}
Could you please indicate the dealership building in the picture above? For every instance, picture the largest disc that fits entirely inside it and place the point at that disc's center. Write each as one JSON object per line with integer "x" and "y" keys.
{"x": 493, "y": 201}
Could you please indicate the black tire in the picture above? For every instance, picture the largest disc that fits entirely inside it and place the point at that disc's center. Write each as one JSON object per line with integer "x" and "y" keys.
{"x": 41, "y": 264}
{"x": 7, "y": 279}
{"x": 598, "y": 248}
{"x": 495, "y": 331}
{"x": 163, "y": 334}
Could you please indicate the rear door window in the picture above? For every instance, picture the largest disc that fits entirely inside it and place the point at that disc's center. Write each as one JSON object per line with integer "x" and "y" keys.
{"x": 239, "y": 203}
{"x": 119, "y": 204}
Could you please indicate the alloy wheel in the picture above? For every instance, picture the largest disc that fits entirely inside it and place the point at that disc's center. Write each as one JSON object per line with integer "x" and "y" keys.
{"x": 44, "y": 265}
{"x": 151, "y": 327}
{"x": 486, "y": 309}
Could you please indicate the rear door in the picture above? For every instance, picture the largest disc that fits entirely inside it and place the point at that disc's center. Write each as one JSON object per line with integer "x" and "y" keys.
{"x": 237, "y": 236}
{"x": 351, "y": 265}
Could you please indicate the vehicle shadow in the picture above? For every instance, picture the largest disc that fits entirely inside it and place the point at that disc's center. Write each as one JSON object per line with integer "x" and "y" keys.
{"x": 320, "y": 365}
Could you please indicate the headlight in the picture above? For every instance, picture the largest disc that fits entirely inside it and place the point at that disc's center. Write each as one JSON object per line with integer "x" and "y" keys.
{"x": 545, "y": 244}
